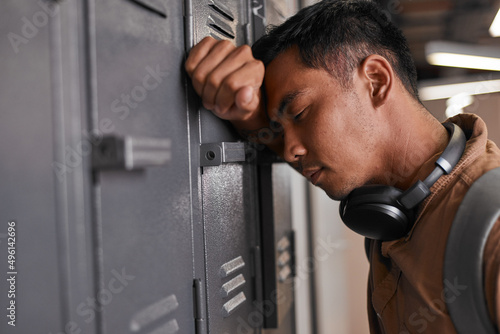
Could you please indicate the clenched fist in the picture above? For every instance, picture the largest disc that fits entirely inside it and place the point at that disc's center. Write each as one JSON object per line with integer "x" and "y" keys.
{"x": 228, "y": 80}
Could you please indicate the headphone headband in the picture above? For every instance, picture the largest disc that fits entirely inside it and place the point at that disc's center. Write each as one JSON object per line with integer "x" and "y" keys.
{"x": 444, "y": 164}
{"x": 387, "y": 213}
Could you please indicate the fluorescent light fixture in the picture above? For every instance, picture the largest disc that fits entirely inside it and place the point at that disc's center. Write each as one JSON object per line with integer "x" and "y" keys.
{"x": 446, "y": 91}
{"x": 495, "y": 26}
{"x": 443, "y": 53}
{"x": 455, "y": 105}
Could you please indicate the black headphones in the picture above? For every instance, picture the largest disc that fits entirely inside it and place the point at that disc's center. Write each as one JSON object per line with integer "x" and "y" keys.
{"x": 386, "y": 213}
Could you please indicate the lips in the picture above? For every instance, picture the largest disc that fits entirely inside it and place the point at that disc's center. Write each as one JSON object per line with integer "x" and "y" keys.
{"x": 313, "y": 174}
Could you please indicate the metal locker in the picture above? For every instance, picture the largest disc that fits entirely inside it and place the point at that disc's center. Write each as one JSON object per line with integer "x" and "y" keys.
{"x": 227, "y": 186}
{"x": 142, "y": 170}
{"x": 45, "y": 189}
{"x": 136, "y": 210}
{"x": 26, "y": 200}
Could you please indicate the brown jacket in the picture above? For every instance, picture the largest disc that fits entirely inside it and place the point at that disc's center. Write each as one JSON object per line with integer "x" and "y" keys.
{"x": 406, "y": 293}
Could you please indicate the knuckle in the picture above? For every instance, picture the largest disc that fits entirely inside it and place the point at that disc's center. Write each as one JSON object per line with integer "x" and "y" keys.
{"x": 198, "y": 77}
{"x": 225, "y": 44}
{"x": 206, "y": 39}
{"x": 259, "y": 65}
{"x": 245, "y": 50}
{"x": 213, "y": 81}
{"x": 222, "y": 109}
{"x": 189, "y": 66}
{"x": 206, "y": 42}
{"x": 231, "y": 84}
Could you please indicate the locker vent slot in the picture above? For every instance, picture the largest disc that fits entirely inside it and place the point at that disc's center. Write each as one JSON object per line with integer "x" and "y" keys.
{"x": 284, "y": 273}
{"x": 233, "y": 303}
{"x": 283, "y": 244}
{"x": 220, "y": 20}
{"x": 154, "y": 312}
{"x": 155, "y": 6}
{"x": 221, "y": 8}
{"x": 170, "y": 327}
{"x": 284, "y": 259}
{"x": 220, "y": 26}
{"x": 232, "y": 285}
{"x": 232, "y": 266}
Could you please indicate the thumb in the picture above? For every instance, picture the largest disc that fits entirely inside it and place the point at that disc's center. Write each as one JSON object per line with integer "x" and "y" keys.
{"x": 247, "y": 98}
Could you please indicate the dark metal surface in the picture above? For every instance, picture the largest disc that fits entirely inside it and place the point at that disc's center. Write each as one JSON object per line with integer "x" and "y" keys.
{"x": 45, "y": 187}
{"x": 144, "y": 217}
{"x": 230, "y": 219}
{"x": 135, "y": 241}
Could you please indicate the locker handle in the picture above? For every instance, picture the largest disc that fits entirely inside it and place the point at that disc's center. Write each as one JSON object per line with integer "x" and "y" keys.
{"x": 130, "y": 153}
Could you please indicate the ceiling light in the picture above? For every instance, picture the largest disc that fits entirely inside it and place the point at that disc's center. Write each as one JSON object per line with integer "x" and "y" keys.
{"x": 452, "y": 54}
{"x": 455, "y": 105}
{"x": 437, "y": 92}
{"x": 495, "y": 26}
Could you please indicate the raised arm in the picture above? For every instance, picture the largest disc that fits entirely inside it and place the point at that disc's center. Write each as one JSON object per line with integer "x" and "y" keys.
{"x": 229, "y": 80}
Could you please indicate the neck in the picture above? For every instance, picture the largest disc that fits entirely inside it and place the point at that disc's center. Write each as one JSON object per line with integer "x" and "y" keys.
{"x": 415, "y": 141}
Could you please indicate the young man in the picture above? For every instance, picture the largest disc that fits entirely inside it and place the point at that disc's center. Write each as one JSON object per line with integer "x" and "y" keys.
{"x": 333, "y": 91}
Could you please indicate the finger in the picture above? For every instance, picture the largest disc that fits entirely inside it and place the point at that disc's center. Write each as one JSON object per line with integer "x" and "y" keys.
{"x": 251, "y": 74}
{"x": 247, "y": 99}
{"x": 214, "y": 57}
{"x": 233, "y": 62}
{"x": 197, "y": 53}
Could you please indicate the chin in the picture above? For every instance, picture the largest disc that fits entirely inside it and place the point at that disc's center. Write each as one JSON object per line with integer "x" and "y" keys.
{"x": 336, "y": 195}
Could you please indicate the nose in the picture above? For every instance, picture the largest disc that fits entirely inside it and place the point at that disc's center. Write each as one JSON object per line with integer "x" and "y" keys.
{"x": 293, "y": 149}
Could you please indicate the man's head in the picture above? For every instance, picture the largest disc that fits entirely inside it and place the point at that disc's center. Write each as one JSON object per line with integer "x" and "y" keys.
{"x": 331, "y": 81}
{"x": 336, "y": 35}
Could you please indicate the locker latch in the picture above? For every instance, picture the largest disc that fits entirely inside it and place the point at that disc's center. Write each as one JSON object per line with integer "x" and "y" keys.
{"x": 216, "y": 154}
{"x": 130, "y": 153}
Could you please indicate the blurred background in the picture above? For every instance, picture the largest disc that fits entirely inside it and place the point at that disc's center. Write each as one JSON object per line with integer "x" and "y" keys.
{"x": 456, "y": 50}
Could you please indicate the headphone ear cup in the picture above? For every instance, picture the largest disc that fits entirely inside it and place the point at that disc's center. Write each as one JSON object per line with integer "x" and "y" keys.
{"x": 374, "y": 212}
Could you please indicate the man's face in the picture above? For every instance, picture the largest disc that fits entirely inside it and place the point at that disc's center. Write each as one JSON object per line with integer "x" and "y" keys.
{"x": 329, "y": 132}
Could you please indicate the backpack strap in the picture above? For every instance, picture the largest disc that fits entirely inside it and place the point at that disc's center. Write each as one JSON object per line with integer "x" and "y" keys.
{"x": 463, "y": 265}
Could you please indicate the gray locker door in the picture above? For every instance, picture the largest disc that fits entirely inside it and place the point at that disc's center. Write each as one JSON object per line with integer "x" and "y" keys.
{"x": 26, "y": 199}
{"x": 229, "y": 206}
{"x": 45, "y": 184}
{"x": 143, "y": 199}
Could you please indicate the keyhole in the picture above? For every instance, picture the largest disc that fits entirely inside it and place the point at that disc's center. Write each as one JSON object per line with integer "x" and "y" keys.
{"x": 210, "y": 155}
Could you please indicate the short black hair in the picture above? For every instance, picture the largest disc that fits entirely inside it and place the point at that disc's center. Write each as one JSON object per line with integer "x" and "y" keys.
{"x": 337, "y": 35}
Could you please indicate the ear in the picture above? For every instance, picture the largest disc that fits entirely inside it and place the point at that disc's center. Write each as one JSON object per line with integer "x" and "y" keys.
{"x": 376, "y": 71}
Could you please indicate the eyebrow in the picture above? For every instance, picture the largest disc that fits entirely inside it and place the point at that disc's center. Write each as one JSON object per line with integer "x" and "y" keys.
{"x": 287, "y": 100}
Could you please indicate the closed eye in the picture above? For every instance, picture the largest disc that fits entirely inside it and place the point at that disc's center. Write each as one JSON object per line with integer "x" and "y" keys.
{"x": 298, "y": 116}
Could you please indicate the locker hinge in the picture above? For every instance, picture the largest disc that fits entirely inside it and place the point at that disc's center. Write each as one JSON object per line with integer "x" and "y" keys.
{"x": 130, "y": 153}
{"x": 199, "y": 307}
{"x": 216, "y": 154}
